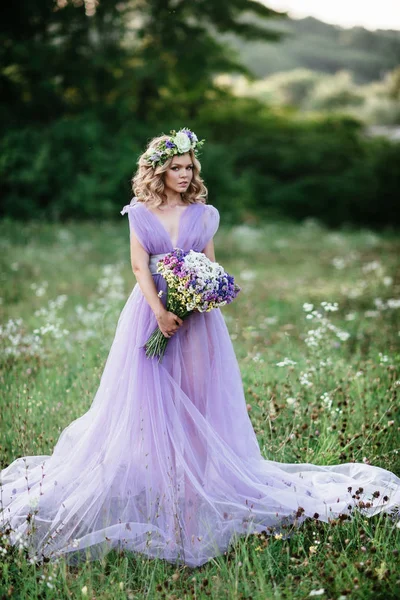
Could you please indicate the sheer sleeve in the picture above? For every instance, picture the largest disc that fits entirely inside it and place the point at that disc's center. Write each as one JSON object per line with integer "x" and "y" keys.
{"x": 212, "y": 221}
{"x": 134, "y": 217}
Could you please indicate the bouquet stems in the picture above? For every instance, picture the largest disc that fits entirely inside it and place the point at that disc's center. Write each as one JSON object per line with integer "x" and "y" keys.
{"x": 157, "y": 343}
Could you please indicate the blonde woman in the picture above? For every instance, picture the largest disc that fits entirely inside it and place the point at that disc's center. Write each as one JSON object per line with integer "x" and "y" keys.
{"x": 166, "y": 462}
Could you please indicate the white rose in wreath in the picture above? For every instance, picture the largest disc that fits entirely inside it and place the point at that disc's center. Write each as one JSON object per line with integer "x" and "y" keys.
{"x": 182, "y": 142}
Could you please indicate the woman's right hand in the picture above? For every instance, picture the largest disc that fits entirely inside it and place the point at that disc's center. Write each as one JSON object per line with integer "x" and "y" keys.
{"x": 168, "y": 323}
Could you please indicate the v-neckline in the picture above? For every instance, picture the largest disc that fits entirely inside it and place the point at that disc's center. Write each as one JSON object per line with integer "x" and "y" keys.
{"x": 163, "y": 227}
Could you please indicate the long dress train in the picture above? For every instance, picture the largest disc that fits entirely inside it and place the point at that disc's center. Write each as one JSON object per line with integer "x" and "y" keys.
{"x": 166, "y": 462}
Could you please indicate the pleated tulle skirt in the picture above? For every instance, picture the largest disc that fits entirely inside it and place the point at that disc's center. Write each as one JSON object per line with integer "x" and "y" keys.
{"x": 166, "y": 461}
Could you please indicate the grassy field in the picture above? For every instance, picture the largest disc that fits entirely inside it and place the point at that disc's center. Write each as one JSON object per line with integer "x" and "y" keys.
{"x": 316, "y": 331}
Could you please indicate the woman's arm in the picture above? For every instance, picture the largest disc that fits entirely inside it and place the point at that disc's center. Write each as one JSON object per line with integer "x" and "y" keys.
{"x": 168, "y": 322}
{"x": 209, "y": 250}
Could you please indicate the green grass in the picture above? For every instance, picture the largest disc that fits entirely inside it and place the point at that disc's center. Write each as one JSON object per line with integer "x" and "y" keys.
{"x": 48, "y": 382}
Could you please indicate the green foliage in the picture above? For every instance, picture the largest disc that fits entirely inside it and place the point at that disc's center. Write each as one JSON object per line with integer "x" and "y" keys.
{"x": 73, "y": 167}
{"x": 253, "y": 162}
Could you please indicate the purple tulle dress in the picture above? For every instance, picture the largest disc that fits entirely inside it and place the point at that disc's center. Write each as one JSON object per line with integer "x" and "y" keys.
{"x": 166, "y": 461}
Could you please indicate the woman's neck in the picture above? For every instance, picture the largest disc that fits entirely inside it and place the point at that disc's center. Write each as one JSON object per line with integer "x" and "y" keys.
{"x": 172, "y": 199}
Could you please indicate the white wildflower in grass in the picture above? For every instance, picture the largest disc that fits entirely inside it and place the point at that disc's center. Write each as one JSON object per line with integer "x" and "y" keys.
{"x": 355, "y": 290}
{"x": 109, "y": 294}
{"x": 270, "y": 320}
{"x": 40, "y": 289}
{"x": 286, "y": 362}
{"x": 314, "y": 336}
{"x": 373, "y": 266}
{"x": 380, "y": 304}
{"x": 248, "y": 275}
{"x": 371, "y": 314}
{"x": 325, "y": 363}
{"x": 327, "y": 400}
{"x": 319, "y": 592}
{"x": 84, "y": 590}
{"x": 387, "y": 281}
{"x": 338, "y": 262}
{"x": 16, "y": 341}
{"x": 330, "y": 306}
{"x": 393, "y": 303}
{"x": 110, "y": 287}
{"x": 291, "y": 401}
{"x": 342, "y": 335}
{"x": 257, "y": 358}
{"x": 383, "y": 358}
{"x": 350, "y": 316}
{"x": 320, "y": 339}
{"x": 54, "y": 322}
{"x": 305, "y": 379}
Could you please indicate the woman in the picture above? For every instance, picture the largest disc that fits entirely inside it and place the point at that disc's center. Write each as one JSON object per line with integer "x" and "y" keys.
{"x": 166, "y": 461}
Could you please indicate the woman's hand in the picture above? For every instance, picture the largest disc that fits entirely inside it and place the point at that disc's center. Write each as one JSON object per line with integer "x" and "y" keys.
{"x": 168, "y": 323}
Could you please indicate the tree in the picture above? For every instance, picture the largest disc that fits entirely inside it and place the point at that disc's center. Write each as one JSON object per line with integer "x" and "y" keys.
{"x": 179, "y": 41}
{"x": 57, "y": 60}
{"x": 129, "y": 57}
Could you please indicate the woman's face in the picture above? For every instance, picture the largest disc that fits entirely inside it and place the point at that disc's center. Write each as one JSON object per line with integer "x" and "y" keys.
{"x": 180, "y": 173}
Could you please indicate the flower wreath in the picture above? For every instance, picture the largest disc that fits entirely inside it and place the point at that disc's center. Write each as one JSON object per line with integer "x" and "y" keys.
{"x": 177, "y": 143}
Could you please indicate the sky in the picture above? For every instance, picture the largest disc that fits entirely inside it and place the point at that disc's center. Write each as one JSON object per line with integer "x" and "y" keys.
{"x": 371, "y": 14}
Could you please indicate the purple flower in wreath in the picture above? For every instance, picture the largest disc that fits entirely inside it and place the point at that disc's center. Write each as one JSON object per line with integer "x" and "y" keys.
{"x": 188, "y": 133}
{"x": 169, "y": 144}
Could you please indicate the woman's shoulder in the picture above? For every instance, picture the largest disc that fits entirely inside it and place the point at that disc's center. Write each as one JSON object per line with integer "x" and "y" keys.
{"x": 212, "y": 210}
{"x": 209, "y": 208}
{"x": 133, "y": 205}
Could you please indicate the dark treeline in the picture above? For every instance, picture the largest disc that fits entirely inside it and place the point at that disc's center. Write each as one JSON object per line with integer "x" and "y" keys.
{"x": 82, "y": 93}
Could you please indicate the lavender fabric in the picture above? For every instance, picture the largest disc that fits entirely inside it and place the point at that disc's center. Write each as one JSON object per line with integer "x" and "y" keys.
{"x": 166, "y": 462}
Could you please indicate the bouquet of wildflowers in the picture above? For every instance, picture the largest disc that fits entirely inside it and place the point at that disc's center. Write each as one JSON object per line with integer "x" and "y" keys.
{"x": 194, "y": 282}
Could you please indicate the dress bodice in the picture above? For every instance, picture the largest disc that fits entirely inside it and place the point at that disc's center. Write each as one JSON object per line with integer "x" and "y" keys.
{"x": 197, "y": 225}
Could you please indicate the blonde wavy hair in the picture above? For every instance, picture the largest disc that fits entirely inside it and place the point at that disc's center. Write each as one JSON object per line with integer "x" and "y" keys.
{"x": 148, "y": 182}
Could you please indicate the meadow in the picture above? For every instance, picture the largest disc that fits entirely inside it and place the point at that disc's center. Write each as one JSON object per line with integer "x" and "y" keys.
{"x": 316, "y": 331}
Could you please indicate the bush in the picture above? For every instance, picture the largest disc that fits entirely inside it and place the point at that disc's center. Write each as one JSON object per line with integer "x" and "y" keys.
{"x": 256, "y": 164}
{"x": 74, "y": 167}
